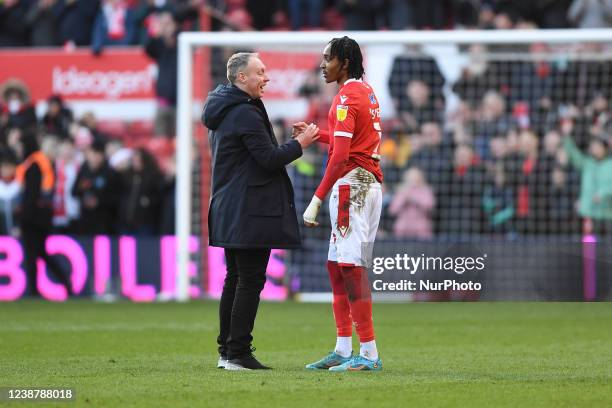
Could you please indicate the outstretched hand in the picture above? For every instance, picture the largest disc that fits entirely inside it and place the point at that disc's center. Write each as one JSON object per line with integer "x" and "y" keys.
{"x": 298, "y": 128}
{"x": 308, "y": 136}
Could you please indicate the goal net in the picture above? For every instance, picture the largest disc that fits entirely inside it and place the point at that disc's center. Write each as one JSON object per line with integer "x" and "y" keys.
{"x": 494, "y": 143}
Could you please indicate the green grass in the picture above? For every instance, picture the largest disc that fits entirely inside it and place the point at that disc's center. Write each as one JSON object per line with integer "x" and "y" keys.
{"x": 439, "y": 354}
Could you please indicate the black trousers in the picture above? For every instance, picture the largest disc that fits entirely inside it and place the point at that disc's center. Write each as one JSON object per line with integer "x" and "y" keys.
{"x": 245, "y": 279}
{"x": 34, "y": 248}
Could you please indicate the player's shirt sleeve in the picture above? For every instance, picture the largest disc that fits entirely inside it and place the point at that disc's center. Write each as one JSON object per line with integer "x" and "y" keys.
{"x": 346, "y": 115}
{"x": 257, "y": 141}
{"x": 335, "y": 166}
{"x": 323, "y": 136}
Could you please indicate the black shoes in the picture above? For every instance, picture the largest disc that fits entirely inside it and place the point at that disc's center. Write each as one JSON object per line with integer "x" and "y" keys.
{"x": 245, "y": 362}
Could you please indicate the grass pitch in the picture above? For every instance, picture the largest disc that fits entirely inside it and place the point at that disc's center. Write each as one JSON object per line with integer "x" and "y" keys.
{"x": 439, "y": 354}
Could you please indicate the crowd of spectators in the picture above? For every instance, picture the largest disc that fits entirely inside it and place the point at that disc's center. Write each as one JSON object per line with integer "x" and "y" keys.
{"x": 507, "y": 159}
{"x": 523, "y": 150}
{"x": 49, "y": 23}
{"x": 99, "y": 186}
{"x": 101, "y": 23}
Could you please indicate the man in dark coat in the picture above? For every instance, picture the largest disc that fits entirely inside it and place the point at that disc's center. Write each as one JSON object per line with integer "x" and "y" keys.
{"x": 98, "y": 189}
{"x": 252, "y": 208}
{"x": 76, "y": 19}
{"x": 58, "y": 119}
{"x": 163, "y": 49}
{"x": 13, "y": 27}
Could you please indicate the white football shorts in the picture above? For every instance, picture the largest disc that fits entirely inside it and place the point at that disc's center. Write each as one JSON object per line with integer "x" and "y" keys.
{"x": 355, "y": 205}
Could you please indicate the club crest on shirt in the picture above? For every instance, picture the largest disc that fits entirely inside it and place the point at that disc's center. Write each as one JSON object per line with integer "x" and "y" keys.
{"x": 341, "y": 112}
{"x": 372, "y": 99}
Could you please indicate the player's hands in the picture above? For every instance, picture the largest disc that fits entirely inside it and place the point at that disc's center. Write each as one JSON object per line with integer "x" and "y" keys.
{"x": 298, "y": 128}
{"x": 308, "y": 136}
{"x": 310, "y": 215}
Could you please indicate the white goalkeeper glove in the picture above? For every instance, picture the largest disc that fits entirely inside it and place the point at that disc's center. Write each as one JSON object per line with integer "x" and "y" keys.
{"x": 310, "y": 215}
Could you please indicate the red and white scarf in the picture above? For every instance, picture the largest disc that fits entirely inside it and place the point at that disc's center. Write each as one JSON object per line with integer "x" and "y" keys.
{"x": 115, "y": 19}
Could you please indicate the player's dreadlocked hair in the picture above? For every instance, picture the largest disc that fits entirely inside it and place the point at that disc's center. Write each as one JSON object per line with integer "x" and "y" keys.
{"x": 347, "y": 48}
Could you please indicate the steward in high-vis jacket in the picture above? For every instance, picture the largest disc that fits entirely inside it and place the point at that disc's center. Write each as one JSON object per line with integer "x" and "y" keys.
{"x": 35, "y": 211}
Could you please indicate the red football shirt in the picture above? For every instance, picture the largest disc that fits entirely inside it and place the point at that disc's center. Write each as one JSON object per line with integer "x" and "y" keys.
{"x": 355, "y": 113}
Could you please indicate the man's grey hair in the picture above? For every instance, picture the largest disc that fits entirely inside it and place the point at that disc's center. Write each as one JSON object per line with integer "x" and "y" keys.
{"x": 237, "y": 63}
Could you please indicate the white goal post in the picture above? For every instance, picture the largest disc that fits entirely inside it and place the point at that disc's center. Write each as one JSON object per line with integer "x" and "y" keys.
{"x": 186, "y": 117}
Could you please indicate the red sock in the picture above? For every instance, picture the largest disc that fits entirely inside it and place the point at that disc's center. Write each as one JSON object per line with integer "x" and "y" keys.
{"x": 360, "y": 300}
{"x": 340, "y": 305}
